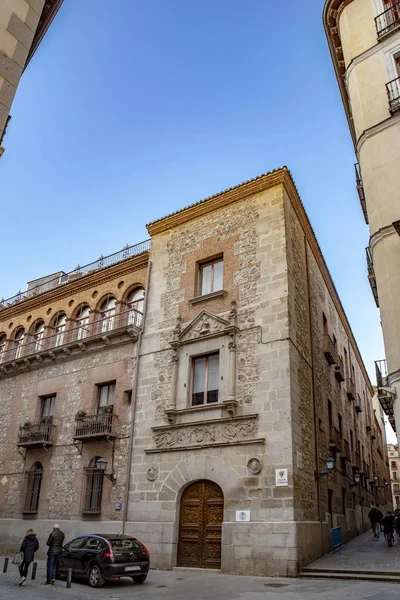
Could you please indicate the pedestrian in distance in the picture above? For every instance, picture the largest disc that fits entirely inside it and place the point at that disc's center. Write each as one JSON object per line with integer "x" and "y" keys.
{"x": 375, "y": 516}
{"x": 388, "y": 528}
{"x": 28, "y": 548}
{"x": 55, "y": 543}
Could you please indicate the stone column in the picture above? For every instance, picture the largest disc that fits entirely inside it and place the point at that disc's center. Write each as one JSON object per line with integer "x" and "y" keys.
{"x": 232, "y": 368}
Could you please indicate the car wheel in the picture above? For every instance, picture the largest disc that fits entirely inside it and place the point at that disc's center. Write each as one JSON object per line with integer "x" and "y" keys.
{"x": 139, "y": 578}
{"x": 95, "y": 577}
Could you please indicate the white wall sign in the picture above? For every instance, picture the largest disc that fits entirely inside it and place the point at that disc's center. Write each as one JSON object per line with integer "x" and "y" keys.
{"x": 242, "y": 515}
{"x": 281, "y": 477}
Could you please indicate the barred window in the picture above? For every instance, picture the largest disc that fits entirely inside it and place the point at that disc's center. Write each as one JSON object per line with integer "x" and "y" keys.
{"x": 34, "y": 482}
{"x": 93, "y": 488}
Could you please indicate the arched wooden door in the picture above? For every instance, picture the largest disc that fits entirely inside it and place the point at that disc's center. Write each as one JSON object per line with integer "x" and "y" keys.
{"x": 200, "y": 526}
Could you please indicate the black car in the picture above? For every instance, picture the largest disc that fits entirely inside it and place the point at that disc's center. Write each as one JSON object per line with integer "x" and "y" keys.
{"x": 99, "y": 558}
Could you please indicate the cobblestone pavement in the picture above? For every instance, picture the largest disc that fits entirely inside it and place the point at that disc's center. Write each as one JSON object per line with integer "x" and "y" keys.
{"x": 363, "y": 553}
{"x": 177, "y": 585}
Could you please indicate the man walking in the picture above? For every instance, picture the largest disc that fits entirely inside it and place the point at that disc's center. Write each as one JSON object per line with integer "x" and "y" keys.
{"x": 375, "y": 516}
{"x": 54, "y": 543}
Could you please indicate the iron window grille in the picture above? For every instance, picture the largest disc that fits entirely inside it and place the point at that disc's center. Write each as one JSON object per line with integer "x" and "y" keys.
{"x": 33, "y": 485}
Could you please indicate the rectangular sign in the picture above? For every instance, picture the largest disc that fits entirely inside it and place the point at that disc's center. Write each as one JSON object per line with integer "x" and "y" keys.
{"x": 281, "y": 477}
{"x": 117, "y": 506}
{"x": 243, "y": 515}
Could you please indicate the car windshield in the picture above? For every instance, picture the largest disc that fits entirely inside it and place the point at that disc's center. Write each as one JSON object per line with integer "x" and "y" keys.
{"x": 125, "y": 544}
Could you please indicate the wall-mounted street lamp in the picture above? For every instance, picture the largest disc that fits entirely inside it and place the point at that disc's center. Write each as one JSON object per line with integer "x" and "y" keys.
{"x": 357, "y": 479}
{"x": 101, "y": 464}
{"x": 330, "y": 465}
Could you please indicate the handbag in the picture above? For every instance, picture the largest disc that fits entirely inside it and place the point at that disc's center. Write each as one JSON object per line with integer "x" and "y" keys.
{"x": 18, "y": 558}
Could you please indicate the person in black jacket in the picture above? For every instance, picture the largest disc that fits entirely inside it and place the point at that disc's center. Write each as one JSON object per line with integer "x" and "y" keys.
{"x": 54, "y": 543}
{"x": 388, "y": 527}
{"x": 28, "y": 548}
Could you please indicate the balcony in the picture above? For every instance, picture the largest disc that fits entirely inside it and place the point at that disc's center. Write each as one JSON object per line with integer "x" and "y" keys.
{"x": 335, "y": 439}
{"x": 62, "y": 278}
{"x": 339, "y": 369}
{"x": 358, "y": 405}
{"x": 371, "y": 276}
{"x": 39, "y": 435}
{"x": 95, "y": 427}
{"x": 385, "y": 399}
{"x": 329, "y": 349}
{"x": 360, "y": 190}
{"x": 393, "y": 91}
{"x": 388, "y": 21}
{"x": 350, "y": 389}
{"x": 110, "y": 329}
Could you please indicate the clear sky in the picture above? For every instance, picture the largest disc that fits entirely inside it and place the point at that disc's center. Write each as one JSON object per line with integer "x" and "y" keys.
{"x": 130, "y": 110}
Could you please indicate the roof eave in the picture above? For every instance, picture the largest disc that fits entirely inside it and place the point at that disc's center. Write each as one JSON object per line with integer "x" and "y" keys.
{"x": 339, "y": 77}
{"x": 45, "y": 21}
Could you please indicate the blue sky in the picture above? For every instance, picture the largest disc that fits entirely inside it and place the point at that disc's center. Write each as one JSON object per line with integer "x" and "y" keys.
{"x": 130, "y": 110}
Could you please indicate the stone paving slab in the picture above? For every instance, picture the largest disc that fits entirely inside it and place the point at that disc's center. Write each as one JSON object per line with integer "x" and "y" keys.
{"x": 172, "y": 585}
{"x": 363, "y": 553}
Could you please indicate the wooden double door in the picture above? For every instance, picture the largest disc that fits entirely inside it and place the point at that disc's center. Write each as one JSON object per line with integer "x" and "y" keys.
{"x": 200, "y": 526}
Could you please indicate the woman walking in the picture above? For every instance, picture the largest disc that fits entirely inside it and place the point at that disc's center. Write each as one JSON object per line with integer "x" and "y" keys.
{"x": 28, "y": 548}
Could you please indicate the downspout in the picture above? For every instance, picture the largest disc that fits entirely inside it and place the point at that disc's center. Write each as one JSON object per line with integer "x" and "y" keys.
{"x": 313, "y": 386}
{"x": 134, "y": 402}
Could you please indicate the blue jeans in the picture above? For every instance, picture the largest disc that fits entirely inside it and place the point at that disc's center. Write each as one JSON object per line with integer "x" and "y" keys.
{"x": 51, "y": 567}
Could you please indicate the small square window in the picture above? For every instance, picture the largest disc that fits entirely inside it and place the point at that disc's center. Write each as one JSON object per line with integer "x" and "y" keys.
{"x": 211, "y": 277}
{"x": 205, "y": 379}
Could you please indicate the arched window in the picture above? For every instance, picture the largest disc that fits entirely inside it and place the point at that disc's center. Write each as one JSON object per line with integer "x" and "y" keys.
{"x": 93, "y": 492}
{"x": 38, "y": 335}
{"x": 34, "y": 481}
{"x": 59, "y": 329}
{"x": 135, "y": 303}
{"x": 82, "y": 320}
{"x": 108, "y": 313}
{"x": 3, "y": 341}
{"x": 18, "y": 342}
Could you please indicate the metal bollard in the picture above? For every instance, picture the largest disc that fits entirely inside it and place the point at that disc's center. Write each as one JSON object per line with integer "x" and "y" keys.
{"x": 34, "y": 569}
{"x": 69, "y": 578}
{"x": 5, "y": 565}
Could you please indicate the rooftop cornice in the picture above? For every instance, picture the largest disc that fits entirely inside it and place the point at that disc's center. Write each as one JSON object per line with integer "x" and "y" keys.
{"x": 331, "y": 14}
{"x": 217, "y": 201}
{"x": 70, "y": 288}
{"x": 50, "y": 9}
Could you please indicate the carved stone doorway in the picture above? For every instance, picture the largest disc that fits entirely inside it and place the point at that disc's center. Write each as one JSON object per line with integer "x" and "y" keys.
{"x": 200, "y": 526}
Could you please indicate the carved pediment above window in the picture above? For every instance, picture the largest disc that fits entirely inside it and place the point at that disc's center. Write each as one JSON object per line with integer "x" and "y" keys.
{"x": 205, "y": 325}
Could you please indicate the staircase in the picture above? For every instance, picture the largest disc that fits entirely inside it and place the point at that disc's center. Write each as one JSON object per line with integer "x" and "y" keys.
{"x": 350, "y": 575}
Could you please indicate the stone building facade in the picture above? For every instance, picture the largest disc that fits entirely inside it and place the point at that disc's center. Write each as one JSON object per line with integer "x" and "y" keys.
{"x": 23, "y": 24}
{"x": 364, "y": 39}
{"x": 394, "y": 466}
{"x": 238, "y": 481}
{"x": 68, "y": 351}
{"x": 245, "y": 379}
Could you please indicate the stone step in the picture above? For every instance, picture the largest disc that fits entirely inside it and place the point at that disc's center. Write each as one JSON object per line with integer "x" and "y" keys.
{"x": 196, "y": 570}
{"x": 354, "y": 571}
{"x": 350, "y": 576}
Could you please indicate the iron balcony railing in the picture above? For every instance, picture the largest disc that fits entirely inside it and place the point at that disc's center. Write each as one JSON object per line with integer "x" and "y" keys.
{"x": 335, "y": 439}
{"x": 388, "y": 21}
{"x": 101, "y": 263}
{"x": 95, "y": 426}
{"x": 351, "y": 389}
{"x": 385, "y": 399}
{"x": 358, "y": 406}
{"x": 393, "y": 91}
{"x": 360, "y": 190}
{"x": 84, "y": 330}
{"x": 339, "y": 369}
{"x": 329, "y": 349}
{"x": 371, "y": 276}
{"x": 40, "y": 434}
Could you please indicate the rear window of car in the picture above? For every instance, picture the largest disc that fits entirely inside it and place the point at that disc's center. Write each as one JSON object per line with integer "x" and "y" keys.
{"x": 125, "y": 545}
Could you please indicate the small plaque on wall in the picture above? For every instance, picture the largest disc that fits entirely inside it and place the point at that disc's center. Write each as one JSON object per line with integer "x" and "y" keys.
{"x": 117, "y": 506}
{"x": 299, "y": 460}
{"x": 243, "y": 515}
{"x": 281, "y": 477}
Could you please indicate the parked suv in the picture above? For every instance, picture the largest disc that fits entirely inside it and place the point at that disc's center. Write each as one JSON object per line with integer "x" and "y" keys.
{"x": 98, "y": 558}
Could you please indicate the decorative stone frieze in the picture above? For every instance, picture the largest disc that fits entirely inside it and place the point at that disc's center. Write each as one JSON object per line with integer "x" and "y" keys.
{"x": 218, "y": 432}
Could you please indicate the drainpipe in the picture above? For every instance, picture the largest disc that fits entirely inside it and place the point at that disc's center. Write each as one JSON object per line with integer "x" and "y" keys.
{"x": 316, "y": 423}
{"x": 134, "y": 402}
